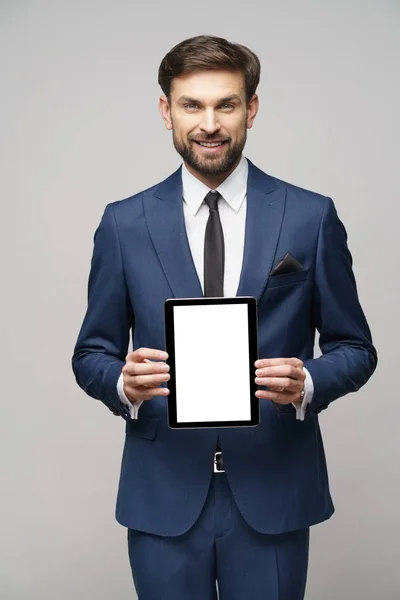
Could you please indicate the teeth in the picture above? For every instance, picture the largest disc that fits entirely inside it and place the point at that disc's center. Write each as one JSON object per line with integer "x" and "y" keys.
{"x": 210, "y": 145}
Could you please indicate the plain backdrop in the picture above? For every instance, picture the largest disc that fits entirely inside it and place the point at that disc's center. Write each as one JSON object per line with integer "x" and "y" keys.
{"x": 80, "y": 128}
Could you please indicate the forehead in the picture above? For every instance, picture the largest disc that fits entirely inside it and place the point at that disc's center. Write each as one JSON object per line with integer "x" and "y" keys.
{"x": 208, "y": 85}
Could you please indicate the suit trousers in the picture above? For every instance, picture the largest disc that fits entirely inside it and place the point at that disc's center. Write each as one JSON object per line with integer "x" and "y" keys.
{"x": 219, "y": 550}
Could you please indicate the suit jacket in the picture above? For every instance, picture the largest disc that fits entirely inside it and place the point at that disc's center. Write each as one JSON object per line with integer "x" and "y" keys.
{"x": 141, "y": 257}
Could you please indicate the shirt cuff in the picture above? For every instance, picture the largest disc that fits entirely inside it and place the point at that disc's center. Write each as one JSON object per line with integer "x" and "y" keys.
{"x": 133, "y": 406}
{"x": 301, "y": 405}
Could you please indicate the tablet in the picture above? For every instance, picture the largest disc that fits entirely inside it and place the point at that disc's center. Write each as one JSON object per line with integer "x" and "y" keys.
{"x": 212, "y": 347}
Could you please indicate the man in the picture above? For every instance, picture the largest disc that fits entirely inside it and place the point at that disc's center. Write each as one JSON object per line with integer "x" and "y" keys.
{"x": 227, "y": 505}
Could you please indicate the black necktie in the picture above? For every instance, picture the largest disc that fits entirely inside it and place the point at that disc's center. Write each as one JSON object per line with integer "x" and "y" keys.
{"x": 214, "y": 253}
{"x": 214, "y": 249}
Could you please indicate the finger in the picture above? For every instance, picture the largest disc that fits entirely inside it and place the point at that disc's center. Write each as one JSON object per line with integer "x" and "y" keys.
{"x": 149, "y": 394}
{"x": 280, "y": 371}
{"x": 280, "y": 384}
{"x": 145, "y": 368}
{"x": 279, "y": 398}
{"x": 149, "y": 380}
{"x": 272, "y": 362}
{"x": 142, "y": 354}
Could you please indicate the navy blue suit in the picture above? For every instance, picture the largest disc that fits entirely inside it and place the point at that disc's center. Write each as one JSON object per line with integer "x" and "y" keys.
{"x": 276, "y": 471}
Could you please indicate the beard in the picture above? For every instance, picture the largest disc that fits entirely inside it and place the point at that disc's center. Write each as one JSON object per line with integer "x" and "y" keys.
{"x": 213, "y": 164}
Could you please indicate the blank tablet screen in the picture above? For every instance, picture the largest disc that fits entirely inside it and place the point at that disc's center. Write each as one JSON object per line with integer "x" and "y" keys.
{"x": 212, "y": 364}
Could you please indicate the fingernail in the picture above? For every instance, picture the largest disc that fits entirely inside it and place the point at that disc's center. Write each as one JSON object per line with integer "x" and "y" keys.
{"x": 163, "y": 355}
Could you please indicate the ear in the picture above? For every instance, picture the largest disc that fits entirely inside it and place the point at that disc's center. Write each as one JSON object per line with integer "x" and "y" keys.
{"x": 252, "y": 109}
{"x": 165, "y": 111}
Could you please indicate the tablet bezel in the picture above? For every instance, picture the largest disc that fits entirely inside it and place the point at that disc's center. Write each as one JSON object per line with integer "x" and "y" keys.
{"x": 251, "y": 303}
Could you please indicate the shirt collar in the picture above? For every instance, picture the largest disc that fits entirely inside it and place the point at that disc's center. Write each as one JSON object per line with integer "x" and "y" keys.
{"x": 233, "y": 189}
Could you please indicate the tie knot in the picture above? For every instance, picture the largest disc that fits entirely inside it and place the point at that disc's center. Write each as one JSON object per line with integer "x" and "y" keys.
{"x": 212, "y": 200}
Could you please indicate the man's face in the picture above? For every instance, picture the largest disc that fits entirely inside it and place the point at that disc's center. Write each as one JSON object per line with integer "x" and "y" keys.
{"x": 209, "y": 106}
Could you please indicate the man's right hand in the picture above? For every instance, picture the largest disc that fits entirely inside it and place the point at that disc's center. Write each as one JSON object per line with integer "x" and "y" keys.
{"x": 142, "y": 376}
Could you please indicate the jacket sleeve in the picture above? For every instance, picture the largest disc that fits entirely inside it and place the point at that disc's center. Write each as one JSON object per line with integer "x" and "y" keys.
{"x": 103, "y": 340}
{"x": 348, "y": 355}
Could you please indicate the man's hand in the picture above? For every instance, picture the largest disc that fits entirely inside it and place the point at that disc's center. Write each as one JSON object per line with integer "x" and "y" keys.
{"x": 284, "y": 378}
{"x": 142, "y": 376}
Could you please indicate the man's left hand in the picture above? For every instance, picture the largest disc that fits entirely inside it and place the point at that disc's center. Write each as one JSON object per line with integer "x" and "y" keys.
{"x": 284, "y": 378}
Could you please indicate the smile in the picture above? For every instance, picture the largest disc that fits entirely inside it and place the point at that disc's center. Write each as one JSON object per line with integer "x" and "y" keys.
{"x": 211, "y": 146}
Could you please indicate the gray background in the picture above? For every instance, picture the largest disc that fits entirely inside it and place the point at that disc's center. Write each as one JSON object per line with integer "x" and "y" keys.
{"x": 80, "y": 128}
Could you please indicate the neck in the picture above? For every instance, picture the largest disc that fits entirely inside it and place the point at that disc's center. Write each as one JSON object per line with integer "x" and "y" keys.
{"x": 212, "y": 181}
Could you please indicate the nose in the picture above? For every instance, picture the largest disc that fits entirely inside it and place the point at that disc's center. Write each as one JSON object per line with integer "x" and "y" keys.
{"x": 209, "y": 122}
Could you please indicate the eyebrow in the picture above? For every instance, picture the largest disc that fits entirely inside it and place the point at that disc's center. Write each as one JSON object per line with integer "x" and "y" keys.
{"x": 220, "y": 101}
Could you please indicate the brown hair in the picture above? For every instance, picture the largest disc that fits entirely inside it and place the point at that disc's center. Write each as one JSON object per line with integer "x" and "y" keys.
{"x": 209, "y": 52}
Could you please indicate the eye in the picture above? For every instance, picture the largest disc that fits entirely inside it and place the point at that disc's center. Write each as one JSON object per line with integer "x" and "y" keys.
{"x": 222, "y": 105}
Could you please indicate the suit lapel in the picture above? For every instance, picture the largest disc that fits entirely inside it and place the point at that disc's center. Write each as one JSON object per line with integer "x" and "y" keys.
{"x": 165, "y": 220}
{"x": 163, "y": 209}
{"x": 265, "y": 209}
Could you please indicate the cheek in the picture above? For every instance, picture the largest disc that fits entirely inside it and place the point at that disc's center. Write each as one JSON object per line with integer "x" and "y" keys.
{"x": 236, "y": 127}
{"x": 182, "y": 135}
{"x": 187, "y": 132}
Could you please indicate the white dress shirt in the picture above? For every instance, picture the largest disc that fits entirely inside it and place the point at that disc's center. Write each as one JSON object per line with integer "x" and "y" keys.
{"x": 232, "y": 210}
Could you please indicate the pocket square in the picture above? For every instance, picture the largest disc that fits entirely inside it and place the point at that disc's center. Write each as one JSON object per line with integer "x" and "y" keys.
{"x": 287, "y": 264}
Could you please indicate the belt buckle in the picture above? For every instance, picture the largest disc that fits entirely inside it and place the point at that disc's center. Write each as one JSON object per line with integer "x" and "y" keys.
{"x": 217, "y": 462}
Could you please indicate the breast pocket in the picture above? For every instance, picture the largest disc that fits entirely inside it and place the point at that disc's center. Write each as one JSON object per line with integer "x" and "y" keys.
{"x": 286, "y": 279}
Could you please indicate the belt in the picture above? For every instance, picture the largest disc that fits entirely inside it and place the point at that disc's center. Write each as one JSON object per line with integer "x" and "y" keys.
{"x": 218, "y": 463}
